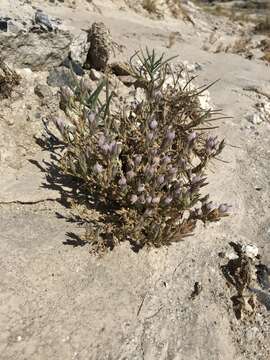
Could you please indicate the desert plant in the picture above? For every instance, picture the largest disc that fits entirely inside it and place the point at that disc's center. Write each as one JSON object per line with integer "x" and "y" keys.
{"x": 145, "y": 160}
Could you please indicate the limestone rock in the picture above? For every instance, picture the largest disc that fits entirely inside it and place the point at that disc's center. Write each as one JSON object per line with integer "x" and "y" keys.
{"x": 61, "y": 77}
{"x": 79, "y": 48}
{"x": 95, "y": 75}
{"x": 37, "y": 51}
{"x": 127, "y": 80}
{"x": 43, "y": 20}
{"x": 250, "y": 250}
{"x": 43, "y": 91}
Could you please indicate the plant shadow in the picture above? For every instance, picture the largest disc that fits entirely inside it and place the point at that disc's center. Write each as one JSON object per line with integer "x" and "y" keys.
{"x": 72, "y": 191}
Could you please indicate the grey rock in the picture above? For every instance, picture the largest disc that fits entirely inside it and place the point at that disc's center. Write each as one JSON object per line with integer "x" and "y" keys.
{"x": 74, "y": 66}
{"x": 254, "y": 118}
{"x": 43, "y": 20}
{"x": 79, "y": 48}
{"x": 15, "y": 27}
{"x": 230, "y": 255}
{"x": 127, "y": 80}
{"x": 250, "y": 250}
{"x": 61, "y": 77}
{"x": 95, "y": 75}
{"x": 37, "y": 51}
{"x": 3, "y": 25}
{"x": 43, "y": 91}
{"x": 263, "y": 276}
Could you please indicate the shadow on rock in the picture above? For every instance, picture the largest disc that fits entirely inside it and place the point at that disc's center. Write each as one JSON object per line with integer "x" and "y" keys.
{"x": 85, "y": 208}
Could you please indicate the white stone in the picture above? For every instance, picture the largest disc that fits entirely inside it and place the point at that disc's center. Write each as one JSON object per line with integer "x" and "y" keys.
{"x": 250, "y": 250}
{"x": 95, "y": 75}
{"x": 192, "y": 67}
{"x": 254, "y": 118}
{"x": 79, "y": 48}
{"x": 231, "y": 255}
{"x": 205, "y": 101}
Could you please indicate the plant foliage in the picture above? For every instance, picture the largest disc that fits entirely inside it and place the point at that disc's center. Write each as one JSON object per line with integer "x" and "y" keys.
{"x": 146, "y": 160}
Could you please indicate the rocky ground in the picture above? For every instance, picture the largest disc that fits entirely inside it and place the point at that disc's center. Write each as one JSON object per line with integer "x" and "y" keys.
{"x": 57, "y": 300}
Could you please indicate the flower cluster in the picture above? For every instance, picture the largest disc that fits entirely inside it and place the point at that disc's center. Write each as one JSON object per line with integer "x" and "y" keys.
{"x": 147, "y": 159}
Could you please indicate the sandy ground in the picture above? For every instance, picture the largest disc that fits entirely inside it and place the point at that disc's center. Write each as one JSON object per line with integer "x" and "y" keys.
{"x": 58, "y": 301}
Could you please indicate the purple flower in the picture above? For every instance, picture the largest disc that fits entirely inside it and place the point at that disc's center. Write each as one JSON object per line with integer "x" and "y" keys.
{"x": 148, "y": 212}
{"x": 192, "y": 137}
{"x": 156, "y": 199}
{"x": 182, "y": 163}
{"x": 153, "y": 124}
{"x": 150, "y": 136}
{"x": 130, "y": 174}
{"x": 209, "y": 206}
{"x": 196, "y": 180}
{"x": 160, "y": 179}
{"x": 138, "y": 159}
{"x": 170, "y": 135}
{"x": 166, "y": 160}
{"x": 142, "y": 199}
{"x": 122, "y": 182}
{"x": 223, "y": 208}
{"x": 177, "y": 189}
{"x": 98, "y": 168}
{"x": 134, "y": 104}
{"x": 112, "y": 146}
{"x": 101, "y": 140}
{"x": 66, "y": 93}
{"x": 168, "y": 200}
{"x": 133, "y": 199}
{"x": 148, "y": 200}
{"x": 177, "y": 194}
{"x": 116, "y": 148}
{"x": 149, "y": 171}
{"x": 211, "y": 144}
{"x": 91, "y": 117}
{"x": 172, "y": 171}
{"x": 140, "y": 188}
{"x": 105, "y": 147}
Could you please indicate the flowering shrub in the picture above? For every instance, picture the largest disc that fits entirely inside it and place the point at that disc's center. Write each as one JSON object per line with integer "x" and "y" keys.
{"x": 145, "y": 160}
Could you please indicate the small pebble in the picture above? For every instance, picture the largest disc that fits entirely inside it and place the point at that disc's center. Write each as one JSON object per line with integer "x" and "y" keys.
{"x": 250, "y": 250}
{"x": 95, "y": 75}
